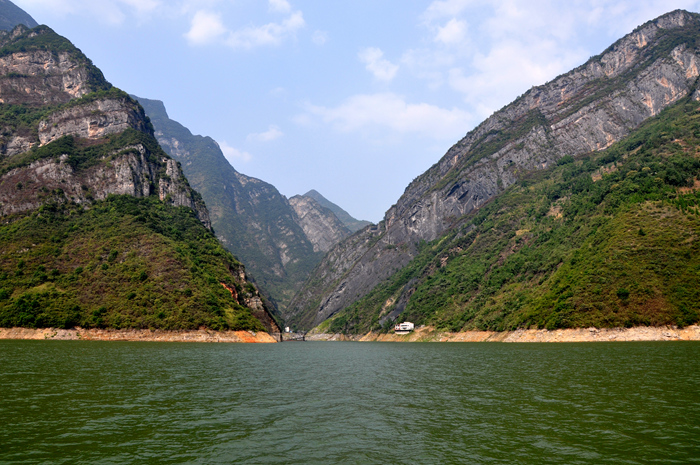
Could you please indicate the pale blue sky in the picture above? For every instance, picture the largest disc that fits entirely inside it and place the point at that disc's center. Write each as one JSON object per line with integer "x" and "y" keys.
{"x": 351, "y": 98}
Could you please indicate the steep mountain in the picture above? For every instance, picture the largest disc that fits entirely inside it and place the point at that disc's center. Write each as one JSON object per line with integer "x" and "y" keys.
{"x": 576, "y": 115}
{"x": 321, "y": 226}
{"x": 100, "y": 227}
{"x": 607, "y": 239}
{"x": 351, "y": 223}
{"x": 11, "y": 15}
{"x": 251, "y": 218}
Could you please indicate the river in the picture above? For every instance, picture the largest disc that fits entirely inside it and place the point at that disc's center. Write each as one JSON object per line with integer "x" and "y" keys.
{"x": 70, "y": 402}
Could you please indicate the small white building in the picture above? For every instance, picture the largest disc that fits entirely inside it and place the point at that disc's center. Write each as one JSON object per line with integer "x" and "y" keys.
{"x": 405, "y": 327}
{"x": 286, "y": 329}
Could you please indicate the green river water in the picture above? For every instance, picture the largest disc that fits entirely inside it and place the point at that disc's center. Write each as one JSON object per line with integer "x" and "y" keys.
{"x": 73, "y": 402}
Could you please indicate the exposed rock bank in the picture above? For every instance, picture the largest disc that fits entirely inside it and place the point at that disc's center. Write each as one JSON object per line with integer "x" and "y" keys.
{"x": 200, "y": 335}
{"x": 429, "y": 334}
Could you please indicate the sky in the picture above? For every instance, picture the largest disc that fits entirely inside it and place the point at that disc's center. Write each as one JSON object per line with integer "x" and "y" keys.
{"x": 352, "y": 98}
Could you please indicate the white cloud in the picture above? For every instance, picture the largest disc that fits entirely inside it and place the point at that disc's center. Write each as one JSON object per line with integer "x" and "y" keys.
{"x": 390, "y": 111}
{"x": 279, "y": 6}
{"x": 319, "y": 37}
{"x": 452, "y": 33}
{"x": 382, "y": 69}
{"x": 206, "y": 28}
{"x": 446, "y": 8}
{"x": 268, "y": 34}
{"x": 271, "y": 134}
{"x": 509, "y": 69}
{"x": 233, "y": 155}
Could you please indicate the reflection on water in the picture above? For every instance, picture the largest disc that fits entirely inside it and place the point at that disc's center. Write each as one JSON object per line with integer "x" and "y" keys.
{"x": 332, "y": 402}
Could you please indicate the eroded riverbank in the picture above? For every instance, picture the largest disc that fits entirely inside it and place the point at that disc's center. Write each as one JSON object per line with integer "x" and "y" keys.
{"x": 430, "y": 334}
{"x": 200, "y": 335}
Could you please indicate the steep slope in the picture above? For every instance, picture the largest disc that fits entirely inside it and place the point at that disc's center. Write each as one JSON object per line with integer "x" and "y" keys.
{"x": 587, "y": 109}
{"x": 351, "y": 223}
{"x": 252, "y": 219}
{"x": 99, "y": 226}
{"x": 11, "y": 15}
{"x": 610, "y": 239}
{"x": 321, "y": 226}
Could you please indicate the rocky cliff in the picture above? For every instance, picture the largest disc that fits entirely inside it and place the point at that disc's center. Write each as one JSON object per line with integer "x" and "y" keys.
{"x": 351, "y": 223}
{"x": 321, "y": 226}
{"x": 585, "y": 110}
{"x": 251, "y": 218}
{"x": 99, "y": 226}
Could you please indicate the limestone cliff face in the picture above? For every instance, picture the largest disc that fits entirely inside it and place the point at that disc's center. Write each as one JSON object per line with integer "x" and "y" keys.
{"x": 320, "y": 225}
{"x": 63, "y": 95}
{"x": 133, "y": 172}
{"x": 584, "y": 110}
{"x": 94, "y": 120}
{"x": 34, "y": 75}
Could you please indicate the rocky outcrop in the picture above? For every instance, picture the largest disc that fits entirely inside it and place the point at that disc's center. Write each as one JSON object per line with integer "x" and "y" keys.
{"x": 94, "y": 120}
{"x": 32, "y": 75}
{"x": 351, "y": 223}
{"x": 132, "y": 172}
{"x": 585, "y": 110}
{"x": 320, "y": 225}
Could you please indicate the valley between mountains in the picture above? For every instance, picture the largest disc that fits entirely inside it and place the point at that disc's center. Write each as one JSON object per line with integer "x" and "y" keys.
{"x": 575, "y": 206}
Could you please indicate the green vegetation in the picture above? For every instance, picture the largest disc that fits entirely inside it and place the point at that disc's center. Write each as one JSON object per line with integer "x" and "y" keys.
{"x": 124, "y": 263}
{"x": 611, "y": 239}
{"x": 251, "y": 229}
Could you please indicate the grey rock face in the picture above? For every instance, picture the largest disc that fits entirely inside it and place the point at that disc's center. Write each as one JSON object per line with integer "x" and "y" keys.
{"x": 38, "y": 78}
{"x": 94, "y": 120}
{"x": 42, "y": 78}
{"x": 320, "y": 225}
{"x": 27, "y": 188}
{"x": 585, "y": 110}
{"x": 351, "y": 223}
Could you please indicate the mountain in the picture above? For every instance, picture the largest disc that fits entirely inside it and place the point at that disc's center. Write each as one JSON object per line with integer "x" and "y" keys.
{"x": 11, "y": 15}
{"x": 99, "y": 227}
{"x": 251, "y": 218}
{"x": 321, "y": 226}
{"x": 462, "y": 211}
{"x": 351, "y": 223}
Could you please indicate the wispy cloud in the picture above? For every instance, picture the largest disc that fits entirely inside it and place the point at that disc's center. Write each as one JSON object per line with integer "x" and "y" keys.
{"x": 391, "y": 111}
{"x": 271, "y": 134}
{"x": 279, "y": 6}
{"x": 452, "y": 33}
{"x": 233, "y": 155}
{"x": 207, "y": 27}
{"x": 319, "y": 37}
{"x": 268, "y": 34}
{"x": 382, "y": 69}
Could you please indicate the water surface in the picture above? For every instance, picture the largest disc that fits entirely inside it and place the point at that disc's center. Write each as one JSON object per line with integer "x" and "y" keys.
{"x": 331, "y": 402}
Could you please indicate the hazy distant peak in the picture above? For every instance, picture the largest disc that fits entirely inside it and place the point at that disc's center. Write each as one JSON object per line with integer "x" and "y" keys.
{"x": 11, "y": 15}
{"x": 351, "y": 223}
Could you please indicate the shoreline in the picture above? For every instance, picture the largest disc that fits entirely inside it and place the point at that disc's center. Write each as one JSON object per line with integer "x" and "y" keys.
{"x": 430, "y": 334}
{"x": 80, "y": 334}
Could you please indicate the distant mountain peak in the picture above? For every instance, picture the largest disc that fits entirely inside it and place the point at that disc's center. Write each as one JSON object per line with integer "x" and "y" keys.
{"x": 11, "y": 15}
{"x": 351, "y": 223}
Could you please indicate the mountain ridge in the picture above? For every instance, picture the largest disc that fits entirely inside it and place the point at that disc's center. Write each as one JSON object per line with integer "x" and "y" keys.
{"x": 586, "y": 109}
